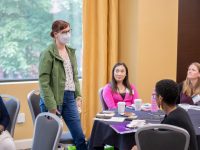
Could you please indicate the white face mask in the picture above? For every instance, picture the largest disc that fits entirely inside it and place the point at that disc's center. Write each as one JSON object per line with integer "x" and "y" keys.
{"x": 64, "y": 38}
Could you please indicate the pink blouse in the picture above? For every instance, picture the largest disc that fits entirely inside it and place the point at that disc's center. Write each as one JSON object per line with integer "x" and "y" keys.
{"x": 112, "y": 98}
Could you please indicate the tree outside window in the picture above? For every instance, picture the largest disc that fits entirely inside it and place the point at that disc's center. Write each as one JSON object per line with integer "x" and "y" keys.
{"x": 25, "y": 31}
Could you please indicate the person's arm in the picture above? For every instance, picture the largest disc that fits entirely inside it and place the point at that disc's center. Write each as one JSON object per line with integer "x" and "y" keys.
{"x": 76, "y": 80}
{"x": 45, "y": 68}
{"x": 79, "y": 99}
{"x": 135, "y": 93}
{"x": 4, "y": 116}
{"x": 72, "y": 56}
{"x": 108, "y": 97}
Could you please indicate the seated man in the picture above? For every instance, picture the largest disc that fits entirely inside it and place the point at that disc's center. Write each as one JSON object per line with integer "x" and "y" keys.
{"x": 167, "y": 92}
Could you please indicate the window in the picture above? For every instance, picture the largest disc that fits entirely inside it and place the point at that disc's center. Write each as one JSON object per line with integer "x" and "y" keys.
{"x": 25, "y": 31}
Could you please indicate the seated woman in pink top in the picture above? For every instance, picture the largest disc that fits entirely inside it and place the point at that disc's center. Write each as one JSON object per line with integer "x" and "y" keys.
{"x": 119, "y": 89}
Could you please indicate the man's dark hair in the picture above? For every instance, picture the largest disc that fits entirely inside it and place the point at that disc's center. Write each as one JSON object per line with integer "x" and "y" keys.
{"x": 168, "y": 89}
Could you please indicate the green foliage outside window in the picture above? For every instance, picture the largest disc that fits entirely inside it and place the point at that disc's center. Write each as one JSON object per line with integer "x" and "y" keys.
{"x": 25, "y": 31}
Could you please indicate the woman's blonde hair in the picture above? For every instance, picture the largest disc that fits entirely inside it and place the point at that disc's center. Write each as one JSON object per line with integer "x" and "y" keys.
{"x": 187, "y": 86}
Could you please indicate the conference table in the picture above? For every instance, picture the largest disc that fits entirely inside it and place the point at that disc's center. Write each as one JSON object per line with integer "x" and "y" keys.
{"x": 123, "y": 138}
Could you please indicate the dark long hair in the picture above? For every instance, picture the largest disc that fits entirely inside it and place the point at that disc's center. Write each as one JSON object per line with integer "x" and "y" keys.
{"x": 126, "y": 82}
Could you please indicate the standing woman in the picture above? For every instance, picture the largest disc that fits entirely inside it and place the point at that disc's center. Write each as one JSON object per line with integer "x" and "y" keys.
{"x": 190, "y": 88}
{"x": 119, "y": 89}
{"x": 58, "y": 78}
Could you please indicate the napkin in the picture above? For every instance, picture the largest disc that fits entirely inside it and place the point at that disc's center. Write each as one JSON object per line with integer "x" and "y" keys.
{"x": 136, "y": 123}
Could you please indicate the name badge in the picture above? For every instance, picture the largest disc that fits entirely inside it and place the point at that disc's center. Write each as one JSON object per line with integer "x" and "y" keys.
{"x": 196, "y": 98}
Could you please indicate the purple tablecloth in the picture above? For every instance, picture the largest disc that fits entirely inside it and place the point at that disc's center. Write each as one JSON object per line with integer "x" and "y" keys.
{"x": 113, "y": 133}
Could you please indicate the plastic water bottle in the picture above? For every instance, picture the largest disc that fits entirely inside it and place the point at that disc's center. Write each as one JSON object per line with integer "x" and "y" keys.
{"x": 154, "y": 106}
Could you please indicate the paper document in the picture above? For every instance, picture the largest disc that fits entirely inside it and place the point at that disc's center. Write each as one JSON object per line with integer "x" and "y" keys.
{"x": 113, "y": 119}
{"x": 195, "y": 107}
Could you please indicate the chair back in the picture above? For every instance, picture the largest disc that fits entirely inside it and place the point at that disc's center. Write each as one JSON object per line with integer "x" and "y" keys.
{"x": 33, "y": 103}
{"x": 12, "y": 105}
{"x": 162, "y": 137}
{"x": 103, "y": 103}
{"x": 34, "y": 106}
{"x": 47, "y": 132}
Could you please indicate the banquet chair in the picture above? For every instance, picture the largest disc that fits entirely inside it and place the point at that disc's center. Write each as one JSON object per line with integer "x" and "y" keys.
{"x": 103, "y": 103}
{"x": 33, "y": 103}
{"x": 162, "y": 137}
{"x": 12, "y": 105}
{"x": 47, "y": 132}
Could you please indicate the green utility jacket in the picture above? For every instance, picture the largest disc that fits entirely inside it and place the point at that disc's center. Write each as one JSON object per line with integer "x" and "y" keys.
{"x": 52, "y": 76}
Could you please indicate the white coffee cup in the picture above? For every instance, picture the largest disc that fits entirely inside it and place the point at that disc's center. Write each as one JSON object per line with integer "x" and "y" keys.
{"x": 138, "y": 104}
{"x": 121, "y": 107}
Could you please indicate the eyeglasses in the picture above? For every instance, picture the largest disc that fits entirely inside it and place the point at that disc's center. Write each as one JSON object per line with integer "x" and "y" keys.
{"x": 66, "y": 31}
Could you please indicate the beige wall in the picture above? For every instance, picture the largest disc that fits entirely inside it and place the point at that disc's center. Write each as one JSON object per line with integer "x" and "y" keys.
{"x": 20, "y": 91}
{"x": 148, "y": 41}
